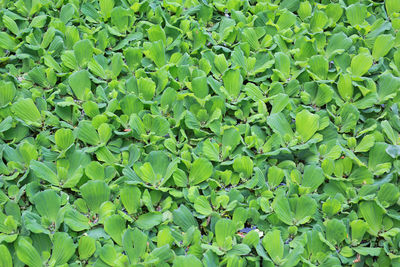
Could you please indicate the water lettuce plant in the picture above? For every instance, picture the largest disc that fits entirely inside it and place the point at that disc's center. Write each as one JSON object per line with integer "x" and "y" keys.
{"x": 199, "y": 133}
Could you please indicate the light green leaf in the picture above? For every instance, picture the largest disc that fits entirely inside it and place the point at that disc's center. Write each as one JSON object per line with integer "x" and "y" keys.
{"x": 86, "y": 247}
{"x": 149, "y": 220}
{"x": 83, "y": 52}
{"x": 5, "y": 260}
{"x": 27, "y": 111}
{"x": 383, "y": 44}
{"x": 114, "y": 225}
{"x": 273, "y": 244}
{"x": 64, "y": 138}
{"x": 345, "y": 87}
{"x": 63, "y": 249}
{"x": 200, "y": 86}
{"x": 232, "y": 82}
{"x": 48, "y": 203}
{"x": 366, "y": 143}
{"x": 7, "y": 93}
{"x": 373, "y": 215}
{"x": 95, "y": 192}
{"x": 361, "y": 63}
{"x": 224, "y": 230}
{"x": 44, "y": 172}
{"x": 307, "y": 124}
{"x": 80, "y": 84}
{"x": 184, "y": 218}
{"x": 202, "y": 206}
{"x": 200, "y": 171}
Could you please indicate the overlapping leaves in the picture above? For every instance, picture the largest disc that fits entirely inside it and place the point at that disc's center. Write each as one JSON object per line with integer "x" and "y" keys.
{"x": 204, "y": 133}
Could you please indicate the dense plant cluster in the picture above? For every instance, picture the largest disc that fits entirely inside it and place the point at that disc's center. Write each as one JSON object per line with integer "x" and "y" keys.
{"x": 199, "y": 133}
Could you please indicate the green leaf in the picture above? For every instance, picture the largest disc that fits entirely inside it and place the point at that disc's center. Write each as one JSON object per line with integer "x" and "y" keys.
{"x": 200, "y": 171}
{"x": 11, "y": 24}
{"x": 130, "y": 198}
{"x": 230, "y": 140}
{"x": 361, "y": 63}
{"x": 253, "y": 92}
{"x": 286, "y": 20}
{"x": 202, "y": 206}
{"x": 331, "y": 207}
{"x": 338, "y": 43}
{"x": 251, "y": 239}
{"x": 324, "y": 95}
{"x": 388, "y": 195}
{"x": 134, "y": 244}
{"x": 86, "y": 247}
{"x": 80, "y": 84}
{"x": 373, "y": 215}
{"x": 39, "y": 21}
{"x": 105, "y": 133}
{"x": 211, "y": 150}
{"x": 279, "y": 124}
{"x": 106, "y": 7}
{"x": 305, "y": 208}
{"x": 275, "y": 176}
{"x": 76, "y": 221}
{"x": 335, "y": 231}
{"x": 44, "y": 172}
{"x": 356, "y": 14}
{"x": 345, "y": 87}
{"x": 156, "y": 52}
{"x": 156, "y": 33}
{"x": 282, "y": 208}
{"x": 200, "y": 86}
{"x": 366, "y": 143}
{"x": 131, "y": 104}
{"x": 184, "y": 218}
{"x": 115, "y": 226}
{"x": 282, "y": 64}
{"x": 5, "y": 260}
{"x": 251, "y": 37}
{"x": 358, "y": 229}
{"x": 319, "y": 66}
{"x": 64, "y": 138}
{"x": 318, "y": 21}
{"x": 7, "y": 93}
{"x": 383, "y": 44}
{"x": 67, "y": 12}
{"x": 63, "y": 249}
{"x": 48, "y": 203}
{"x": 27, "y": 253}
{"x": 232, "y": 82}
{"x": 273, "y": 244}
{"x": 189, "y": 260}
{"x": 388, "y": 86}
{"x": 7, "y": 42}
{"x": 147, "y": 88}
{"x": 313, "y": 177}
{"x": 149, "y": 220}
{"x": 87, "y": 133}
{"x": 220, "y": 63}
{"x": 392, "y": 6}
{"x": 27, "y": 111}
{"x": 307, "y": 124}
{"x": 365, "y": 251}
{"x": 146, "y": 173}
{"x": 349, "y": 115}
{"x": 83, "y": 52}
{"x": 95, "y": 171}
{"x": 244, "y": 165}
{"x": 95, "y": 192}
{"x": 224, "y": 230}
